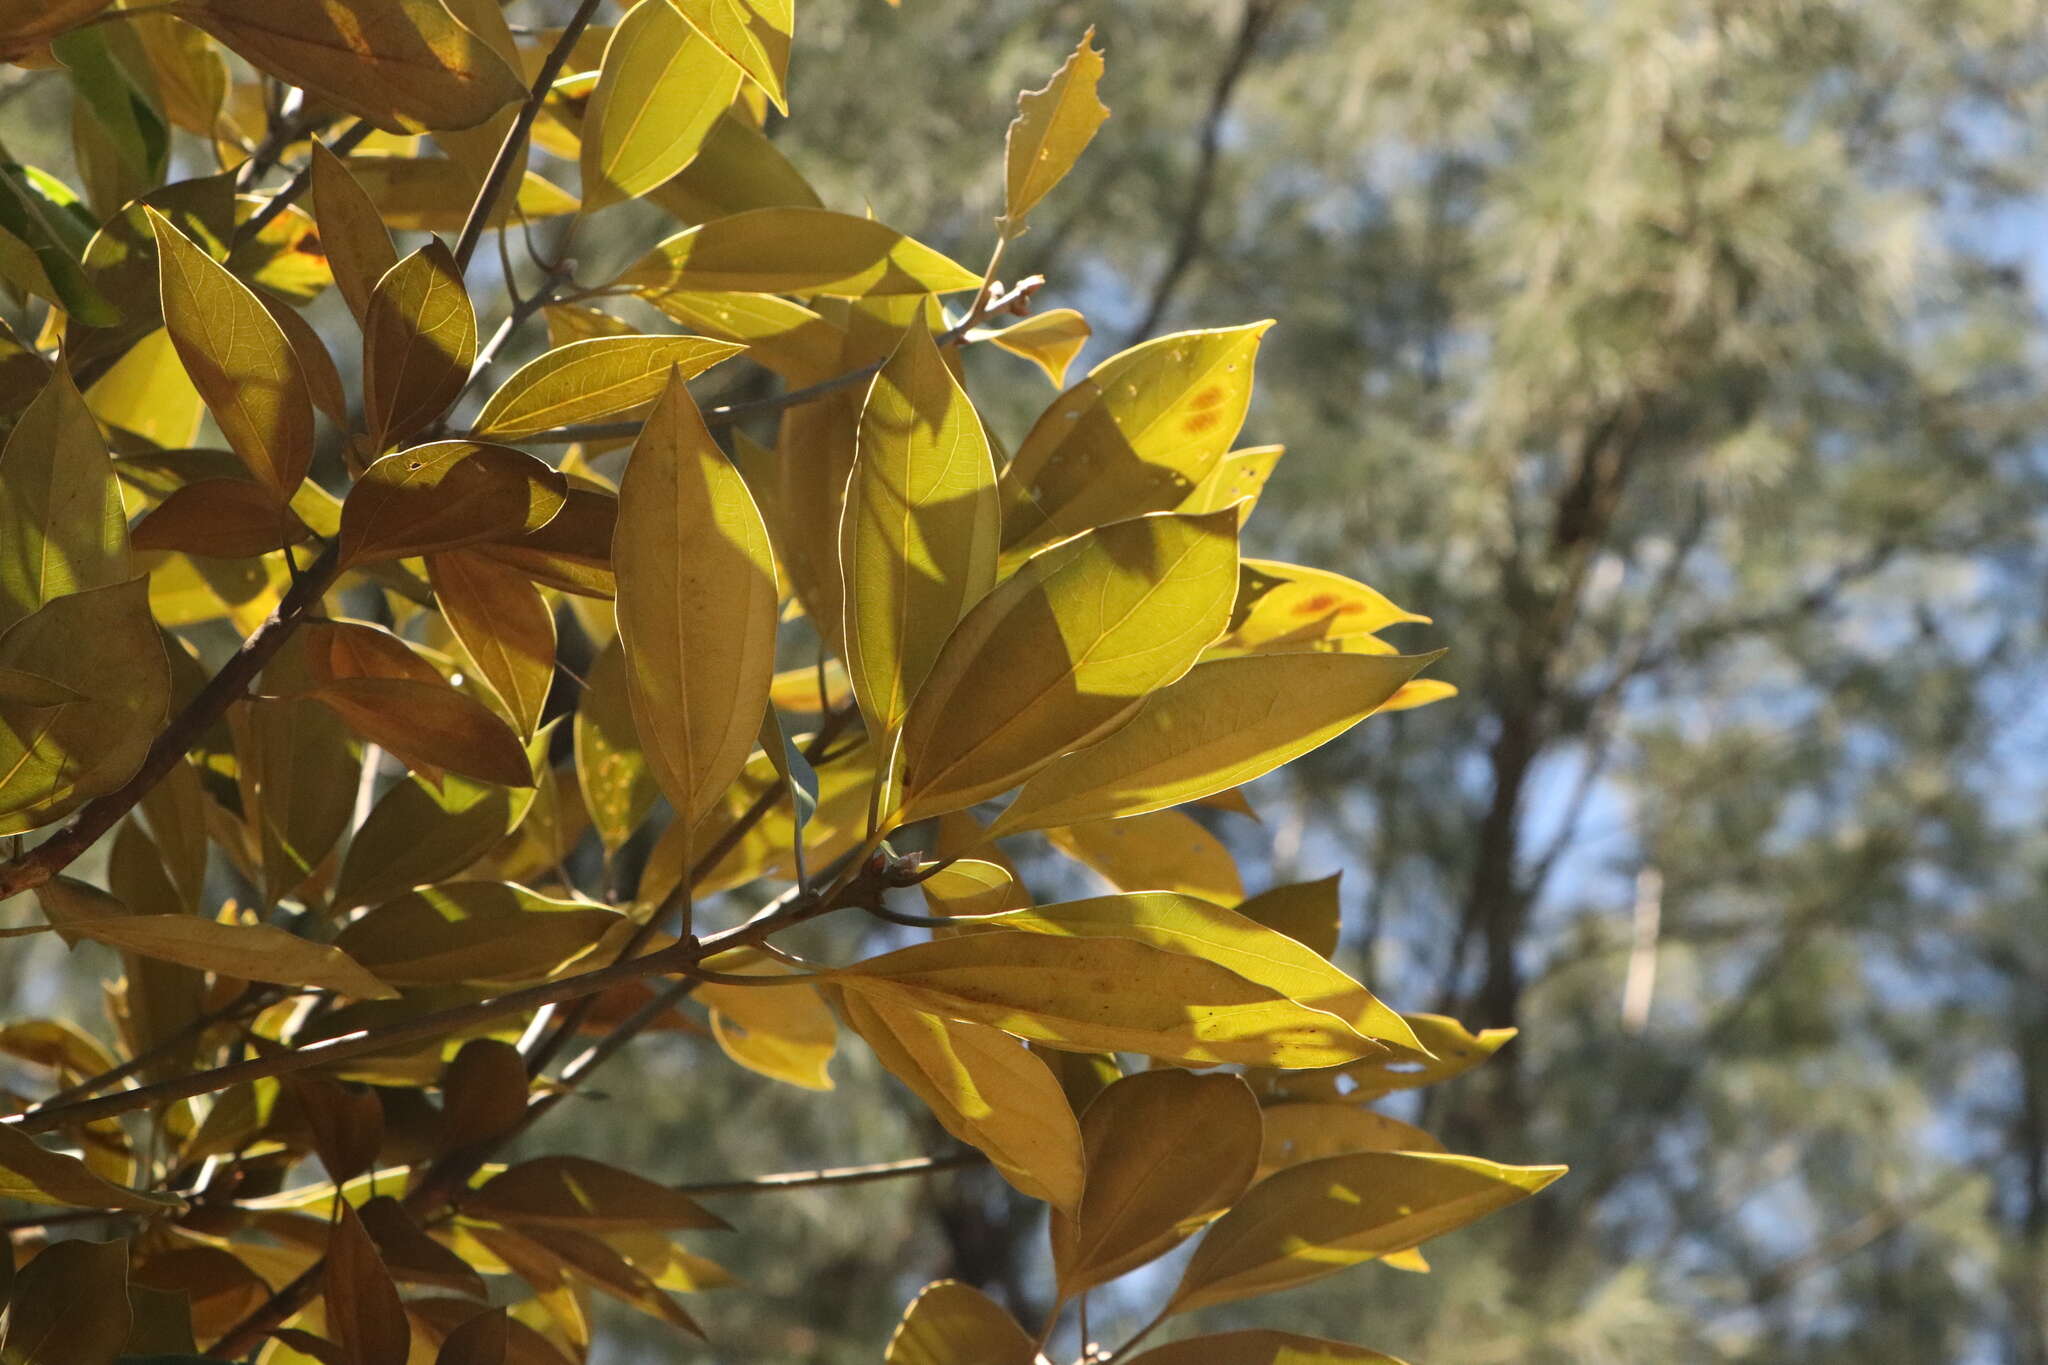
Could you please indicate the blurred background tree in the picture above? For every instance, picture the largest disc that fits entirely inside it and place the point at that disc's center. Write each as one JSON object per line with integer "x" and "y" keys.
{"x": 1681, "y": 358}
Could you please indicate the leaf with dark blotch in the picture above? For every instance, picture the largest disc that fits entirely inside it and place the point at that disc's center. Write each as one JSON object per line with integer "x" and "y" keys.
{"x": 419, "y": 341}
{"x": 446, "y": 495}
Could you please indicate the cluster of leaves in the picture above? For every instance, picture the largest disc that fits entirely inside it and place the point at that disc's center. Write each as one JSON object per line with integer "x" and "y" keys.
{"x": 338, "y": 869}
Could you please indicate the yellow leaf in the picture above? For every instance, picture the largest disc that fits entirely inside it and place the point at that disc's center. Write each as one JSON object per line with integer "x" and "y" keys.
{"x": 611, "y": 767}
{"x": 1052, "y": 128}
{"x": 504, "y": 625}
{"x": 102, "y": 646}
{"x": 950, "y": 1323}
{"x": 1063, "y": 652}
{"x": 1225, "y": 723}
{"x": 784, "y": 1032}
{"x": 486, "y": 932}
{"x": 1137, "y": 435}
{"x": 1307, "y": 912}
{"x": 581, "y": 1195}
{"x": 796, "y": 251}
{"x": 754, "y": 33}
{"x": 696, "y": 605}
{"x": 1164, "y": 850}
{"x": 1107, "y": 995}
{"x": 1166, "y": 1151}
{"x": 1260, "y": 1346}
{"x": 661, "y": 89}
{"x": 573, "y": 551}
{"x": 36, "y": 1175}
{"x": 593, "y": 378}
{"x": 1312, "y": 1130}
{"x": 434, "y": 194}
{"x": 1050, "y": 341}
{"x": 59, "y": 502}
{"x": 234, "y": 518}
{"x": 1420, "y": 692}
{"x": 1451, "y": 1050}
{"x": 429, "y": 726}
{"x": 984, "y": 1087}
{"x": 738, "y": 168}
{"x": 813, "y": 690}
{"x": 780, "y": 334}
{"x": 1290, "y": 607}
{"x": 1200, "y": 929}
{"x": 248, "y": 952}
{"x": 446, "y": 495}
{"x": 1236, "y": 480}
{"x": 1321, "y": 1216}
{"x": 358, "y": 248}
{"x": 404, "y": 65}
{"x": 970, "y": 886}
{"x": 238, "y": 359}
{"x": 419, "y": 340}
{"x": 148, "y": 392}
{"x": 917, "y": 539}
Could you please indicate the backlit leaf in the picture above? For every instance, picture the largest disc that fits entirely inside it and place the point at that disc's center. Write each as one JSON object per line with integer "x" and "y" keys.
{"x": 1107, "y": 995}
{"x": 1314, "y": 1129}
{"x": 446, "y": 495}
{"x": 1166, "y": 1151}
{"x": 70, "y": 1306}
{"x": 1063, "y": 652}
{"x": 434, "y": 194}
{"x": 404, "y": 65}
{"x": 1049, "y": 340}
{"x": 1187, "y": 925}
{"x": 572, "y": 552}
{"x": 1307, "y": 912}
{"x": 429, "y": 726}
{"x": 1225, "y": 723}
{"x": 1052, "y": 128}
{"x": 583, "y": 1195}
{"x": 364, "y": 1314}
{"x": 473, "y": 931}
{"x": 1164, "y": 850}
{"x": 985, "y": 1088}
{"x": 611, "y": 767}
{"x": 661, "y": 89}
{"x": 37, "y": 1175}
{"x": 1452, "y": 1050}
{"x": 972, "y": 887}
{"x": 298, "y": 778}
{"x": 696, "y": 605}
{"x": 1138, "y": 435}
{"x": 419, "y": 340}
{"x": 796, "y": 251}
{"x": 505, "y": 626}
{"x": 588, "y": 379}
{"x": 786, "y": 1032}
{"x": 918, "y": 538}
{"x": 60, "y": 504}
{"x": 233, "y": 518}
{"x": 238, "y": 359}
{"x": 1236, "y": 479}
{"x": 1291, "y": 607}
{"x": 950, "y": 1323}
{"x": 1310, "y": 1220}
{"x": 754, "y": 33}
{"x": 358, "y": 247}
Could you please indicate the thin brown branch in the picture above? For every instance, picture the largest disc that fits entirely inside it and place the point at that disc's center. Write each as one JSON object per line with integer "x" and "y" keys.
{"x": 96, "y": 817}
{"x": 351, "y": 137}
{"x": 840, "y": 1175}
{"x": 514, "y": 144}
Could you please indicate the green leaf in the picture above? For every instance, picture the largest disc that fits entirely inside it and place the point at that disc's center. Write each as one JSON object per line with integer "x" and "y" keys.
{"x": 1310, "y": 1220}
{"x": 37, "y": 1175}
{"x": 238, "y": 359}
{"x": 60, "y": 504}
{"x": 985, "y": 1088}
{"x": 1063, "y": 652}
{"x": 1138, "y": 435}
{"x": 1225, "y": 723}
{"x": 1052, "y": 128}
{"x": 696, "y": 605}
{"x": 446, "y": 495}
{"x": 1149, "y": 1185}
{"x": 419, "y": 340}
{"x": 918, "y": 537}
{"x": 1107, "y": 995}
{"x": 594, "y": 378}
{"x": 950, "y": 1323}
{"x": 118, "y": 113}
{"x": 405, "y": 65}
{"x": 661, "y": 89}
{"x": 1184, "y": 924}
{"x": 796, "y": 251}
{"x": 35, "y": 257}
